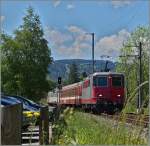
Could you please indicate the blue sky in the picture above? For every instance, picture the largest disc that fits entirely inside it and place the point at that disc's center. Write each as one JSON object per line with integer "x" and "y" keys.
{"x": 66, "y": 22}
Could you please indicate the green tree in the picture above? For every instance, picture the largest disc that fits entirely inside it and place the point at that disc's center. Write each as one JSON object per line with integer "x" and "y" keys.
{"x": 83, "y": 76}
{"x": 130, "y": 65}
{"x": 25, "y": 59}
{"x": 52, "y": 85}
{"x": 73, "y": 76}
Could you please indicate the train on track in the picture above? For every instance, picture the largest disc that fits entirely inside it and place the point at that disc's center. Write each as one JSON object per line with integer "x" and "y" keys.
{"x": 101, "y": 91}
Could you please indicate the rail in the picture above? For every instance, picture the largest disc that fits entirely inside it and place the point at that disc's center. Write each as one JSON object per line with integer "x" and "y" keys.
{"x": 130, "y": 118}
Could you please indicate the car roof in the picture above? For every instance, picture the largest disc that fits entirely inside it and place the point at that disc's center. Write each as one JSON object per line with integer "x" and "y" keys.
{"x": 20, "y": 97}
{"x": 71, "y": 85}
{"x": 23, "y": 99}
{"x": 6, "y": 100}
{"x": 11, "y": 98}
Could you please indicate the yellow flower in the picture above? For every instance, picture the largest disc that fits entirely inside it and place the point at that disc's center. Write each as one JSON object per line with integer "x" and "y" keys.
{"x": 27, "y": 112}
{"x": 29, "y": 115}
{"x": 37, "y": 114}
{"x": 71, "y": 112}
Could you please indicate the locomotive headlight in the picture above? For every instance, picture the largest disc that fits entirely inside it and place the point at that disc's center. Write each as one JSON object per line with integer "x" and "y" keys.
{"x": 118, "y": 95}
{"x": 100, "y": 95}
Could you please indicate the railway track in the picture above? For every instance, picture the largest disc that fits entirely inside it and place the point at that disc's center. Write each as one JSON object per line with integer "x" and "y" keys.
{"x": 130, "y": 118}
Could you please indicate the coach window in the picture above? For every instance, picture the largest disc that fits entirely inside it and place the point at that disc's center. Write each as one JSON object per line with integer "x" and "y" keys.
{"x": 100, "y": 81}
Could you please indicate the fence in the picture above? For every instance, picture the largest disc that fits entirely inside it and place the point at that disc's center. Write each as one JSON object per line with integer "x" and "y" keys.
{"x": 11, "y": 122}
{"x": 11, "y": 125}
{"x": 44, "y": 126}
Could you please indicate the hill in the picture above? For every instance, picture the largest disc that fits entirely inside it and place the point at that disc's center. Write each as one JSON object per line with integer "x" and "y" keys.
{"x": 61, "y": 67}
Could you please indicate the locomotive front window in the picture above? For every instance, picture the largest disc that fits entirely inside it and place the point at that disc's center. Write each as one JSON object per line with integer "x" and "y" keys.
{"x": 117, "y": 81}
{"x": 100, "y": 81}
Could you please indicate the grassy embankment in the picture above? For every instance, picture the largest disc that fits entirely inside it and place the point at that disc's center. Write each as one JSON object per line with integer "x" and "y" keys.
{"x": 74, "y": 127}
{"x": 132, "y": 108}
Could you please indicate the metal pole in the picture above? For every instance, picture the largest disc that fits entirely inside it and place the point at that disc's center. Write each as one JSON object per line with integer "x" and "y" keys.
{"x": 149, "y": 69}
{"x": 138, "y": 83}
{"x": 140, "y": 76}
{"x": 93, "y": 50}
{"x": 92, "y": 34}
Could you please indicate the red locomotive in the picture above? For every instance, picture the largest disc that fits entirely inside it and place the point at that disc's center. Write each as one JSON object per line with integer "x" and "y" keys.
{"x": 101, "y": 91}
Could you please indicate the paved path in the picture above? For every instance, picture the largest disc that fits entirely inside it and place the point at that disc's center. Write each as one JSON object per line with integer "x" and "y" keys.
{"x": 31, "y": 136}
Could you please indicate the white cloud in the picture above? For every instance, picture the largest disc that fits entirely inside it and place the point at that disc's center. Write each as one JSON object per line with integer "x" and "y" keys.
{"x": 70, "y": 6}
{"x": 110, "y": 45}
{"x": 79, "y": 33}
{"x": 56, "y": 37}
{"x": 75, "y": 29}
{"x": 75, "y": 43}
{"x": 120, "y": 3}
{"x": 2, "y": 18}
{"x": 70, "y": 44}
{"x": 56, "y": 2}
{"x": 115, "y": 3}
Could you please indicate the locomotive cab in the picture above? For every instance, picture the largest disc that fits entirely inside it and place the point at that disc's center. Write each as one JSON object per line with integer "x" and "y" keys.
{"x": 108, "y": 89}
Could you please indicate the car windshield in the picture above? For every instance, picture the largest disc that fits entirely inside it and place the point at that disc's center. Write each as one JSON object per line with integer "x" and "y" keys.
{"x": 117, "y": 81}
{"x": 100, "y": 81}
{"x": 32, "y": 102}
{"x": 29, "y": 102}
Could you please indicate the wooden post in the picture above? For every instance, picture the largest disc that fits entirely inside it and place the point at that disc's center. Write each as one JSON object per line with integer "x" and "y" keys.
{"x": 44, "y": 126}
{"x": 11, "y": 124}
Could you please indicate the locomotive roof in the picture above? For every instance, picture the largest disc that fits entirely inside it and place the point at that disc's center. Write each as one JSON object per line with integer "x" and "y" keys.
{"x": 106, "y": 73}
{"x": 71, "y": 85}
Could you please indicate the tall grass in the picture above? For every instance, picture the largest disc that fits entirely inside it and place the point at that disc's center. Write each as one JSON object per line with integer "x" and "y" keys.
{"x": 75, "y": 127}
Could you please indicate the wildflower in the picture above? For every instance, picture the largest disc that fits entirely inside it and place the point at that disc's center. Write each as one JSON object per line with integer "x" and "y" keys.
{"x": 61, "y": 115}
{"x": 36, "y": 114}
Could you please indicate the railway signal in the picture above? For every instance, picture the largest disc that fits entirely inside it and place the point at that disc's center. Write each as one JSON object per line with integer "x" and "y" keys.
{"x": 59, "y": 87}
{"x": 59, "y": 80}
{"x": 59, "y": 83}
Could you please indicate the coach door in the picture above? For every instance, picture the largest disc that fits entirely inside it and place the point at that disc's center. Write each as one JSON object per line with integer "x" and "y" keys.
{"x": 86, "y": 89}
